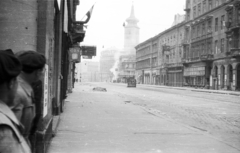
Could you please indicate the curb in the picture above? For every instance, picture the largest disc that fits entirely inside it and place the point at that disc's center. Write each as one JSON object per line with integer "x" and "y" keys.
{"x": 56, "y": 121}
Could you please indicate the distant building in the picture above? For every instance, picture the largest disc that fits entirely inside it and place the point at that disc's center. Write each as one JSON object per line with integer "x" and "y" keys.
{"x": 107, "y": 61}
{"x": 87, "y": 71}
{"x": 178, "y": 19}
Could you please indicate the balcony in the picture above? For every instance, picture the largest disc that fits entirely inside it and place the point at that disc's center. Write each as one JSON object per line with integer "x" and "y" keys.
{"x": 185, "y": 42}
{"x": 166, "y": 48}
{"x": 202, "y": 37}
{"x": 206, "y": 57}
{"x": 234, "y": 52}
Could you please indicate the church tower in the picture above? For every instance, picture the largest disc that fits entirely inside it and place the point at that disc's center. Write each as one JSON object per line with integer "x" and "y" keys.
{"x": 131, "y": 34}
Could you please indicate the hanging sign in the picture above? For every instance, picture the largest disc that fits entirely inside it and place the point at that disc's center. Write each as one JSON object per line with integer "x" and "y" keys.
{"x": 75, "y": 53}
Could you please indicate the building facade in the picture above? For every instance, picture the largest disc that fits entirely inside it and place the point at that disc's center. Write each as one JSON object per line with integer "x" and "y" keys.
{"x": 211, "y": 47}
{"x": 203, "y": 51}
{"x": 50, "y": 28}
{"x": 159, "y": 59}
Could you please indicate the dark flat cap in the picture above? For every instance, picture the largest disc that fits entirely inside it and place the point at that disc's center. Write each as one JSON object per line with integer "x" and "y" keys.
{"x": 31, "y": 60}
{"x": 10, "y": 66}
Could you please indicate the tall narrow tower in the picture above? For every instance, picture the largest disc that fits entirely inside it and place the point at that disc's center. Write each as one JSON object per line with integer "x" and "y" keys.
{"x": 131, "y": 34}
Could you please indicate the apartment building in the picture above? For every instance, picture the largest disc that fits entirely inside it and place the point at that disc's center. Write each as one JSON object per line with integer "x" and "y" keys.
{"x": 159, "y": 59}
{"x": 211, "y": 44}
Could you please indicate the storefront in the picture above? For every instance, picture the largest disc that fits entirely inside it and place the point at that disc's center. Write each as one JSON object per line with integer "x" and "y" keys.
{"x": 197, "y": 75}
{"x": 154, "y": 77}
{"x": 175, "y": 76}
{"x": 163, "y": 76}
{"x": 147, "y": 76}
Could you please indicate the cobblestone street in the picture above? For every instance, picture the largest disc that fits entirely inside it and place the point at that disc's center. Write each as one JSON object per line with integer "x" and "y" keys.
{"x": 217, "y": 115}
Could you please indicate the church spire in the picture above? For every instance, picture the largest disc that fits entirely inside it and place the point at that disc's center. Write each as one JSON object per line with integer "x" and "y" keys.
{"x": 132, "y": 18}
{"x": 132, "y": 10}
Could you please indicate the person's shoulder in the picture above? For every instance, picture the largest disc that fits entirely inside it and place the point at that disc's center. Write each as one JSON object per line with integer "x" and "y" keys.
{"x": 5, "y": 131}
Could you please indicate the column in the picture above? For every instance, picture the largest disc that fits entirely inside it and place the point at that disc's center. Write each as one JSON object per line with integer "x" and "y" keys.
{"x": 234, "y": 78}
{"x": 226, "y": 78}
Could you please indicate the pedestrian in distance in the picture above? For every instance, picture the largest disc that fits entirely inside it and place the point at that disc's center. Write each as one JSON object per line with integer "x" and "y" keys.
{"x": 11, "y": 139}
{"x": 24, "y": 106}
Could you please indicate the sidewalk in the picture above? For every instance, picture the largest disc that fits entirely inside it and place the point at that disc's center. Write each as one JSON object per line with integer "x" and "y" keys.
{"x": 101, "y": 122}
{"x": 227, "y": 92}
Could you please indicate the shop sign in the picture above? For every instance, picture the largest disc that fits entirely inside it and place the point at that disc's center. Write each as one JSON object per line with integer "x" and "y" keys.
{"x": 45, "y": 94}
{"x": 89, "y": 50}
{"x": 194, "y": 71}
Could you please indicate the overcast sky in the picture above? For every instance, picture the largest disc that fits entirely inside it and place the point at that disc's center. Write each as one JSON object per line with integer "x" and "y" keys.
{"x": 105, "y": 27}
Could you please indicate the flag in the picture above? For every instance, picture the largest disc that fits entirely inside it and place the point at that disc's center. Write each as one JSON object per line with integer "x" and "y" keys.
{"x": 89, "y": 13}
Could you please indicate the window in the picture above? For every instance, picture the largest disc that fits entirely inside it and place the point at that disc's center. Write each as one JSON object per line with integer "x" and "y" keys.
{"x": 209, "y": 5}
{"x": 209, "y": 47}
{"x": 222, "y": 45}
{"x": 216, "y": 24}
{"x": 199, "y": 9}
{"x": 210, "y": 26}
{"x": 217, "y": 3}
{"x": 216, "y": 46}
{"x": 238, "y": 15}
{"x": 203, "y": 29}
{"x": 230, "y": 16}
{"x": 204, "y": 6}
{"x": 222, "y": 21}
{"x": 203, "y": 48}
{"x": 193, "y": 32}
{"x": 198, "y": 31}
{"x": 194, "y": 11}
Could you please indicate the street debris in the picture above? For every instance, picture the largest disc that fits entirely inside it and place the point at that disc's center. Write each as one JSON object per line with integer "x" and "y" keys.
{"x": 99, "y": 89}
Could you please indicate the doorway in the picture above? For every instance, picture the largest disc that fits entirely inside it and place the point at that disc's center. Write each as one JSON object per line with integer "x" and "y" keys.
{"x": 230, "y": 76}
{"x": 222, "y": 77}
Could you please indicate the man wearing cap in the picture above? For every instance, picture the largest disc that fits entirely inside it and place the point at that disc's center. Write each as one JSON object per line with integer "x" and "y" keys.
{"x": 33, "y": 64}
{"x": 11, "y": 139}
